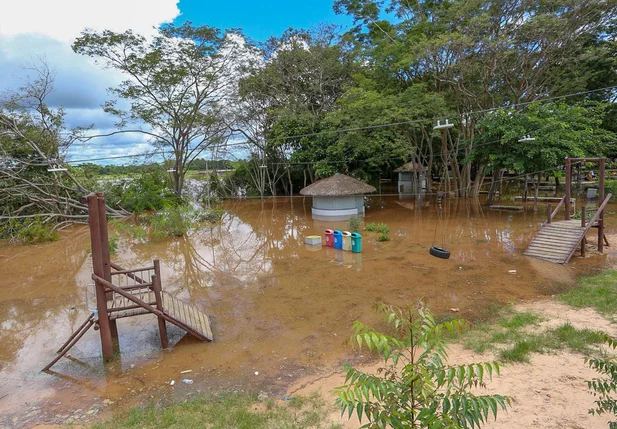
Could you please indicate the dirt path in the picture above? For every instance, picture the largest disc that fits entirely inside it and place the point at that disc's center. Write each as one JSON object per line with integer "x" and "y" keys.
{"x": 549, "y": 392}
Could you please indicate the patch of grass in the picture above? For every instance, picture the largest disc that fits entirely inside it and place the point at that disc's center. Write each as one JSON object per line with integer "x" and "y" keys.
{"x": 519, "y": 320}
{"x": 511, "y": 338}
{"x": 229, "y": 410}
{"x": 384, "y": 236}
{"x": 598, "y": 292}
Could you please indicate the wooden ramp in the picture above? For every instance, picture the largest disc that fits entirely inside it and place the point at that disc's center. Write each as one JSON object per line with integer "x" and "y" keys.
{"x": 188, "y": 317}
{"x": 557, "y": 241}
{"x": 185, "y": 316}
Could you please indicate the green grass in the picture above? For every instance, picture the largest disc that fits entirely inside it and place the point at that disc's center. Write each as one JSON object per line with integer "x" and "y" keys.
{"x": 229, "y": 410}
{"x": 513, "y": 336}
{"x": 599, "y": 292}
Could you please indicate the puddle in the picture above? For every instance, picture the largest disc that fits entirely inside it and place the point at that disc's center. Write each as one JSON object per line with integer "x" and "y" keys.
{"x": 279, "y": 308}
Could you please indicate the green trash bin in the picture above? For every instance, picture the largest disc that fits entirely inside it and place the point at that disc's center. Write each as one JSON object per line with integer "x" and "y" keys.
{"x": 356, "y": 242}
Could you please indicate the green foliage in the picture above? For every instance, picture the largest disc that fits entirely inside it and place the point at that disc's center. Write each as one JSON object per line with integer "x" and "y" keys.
{"x": 172, "y": 222}
{"x": 354, "y": 223}
{"x": 228, "y": 410}
{"x": 610, "y": 187}
{"x": 384, "y": 236}
{"x": 373, "y": 227}
{"x": 143, "y": 192}
{"x": 29, "y": 230}
{"x": 417, "y": 387}
{"x": 604, "y": 386}
{"x": 113, "y": 243}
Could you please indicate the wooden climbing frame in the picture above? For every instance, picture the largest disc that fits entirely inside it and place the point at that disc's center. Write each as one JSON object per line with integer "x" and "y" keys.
{"x": 124, "y": 293}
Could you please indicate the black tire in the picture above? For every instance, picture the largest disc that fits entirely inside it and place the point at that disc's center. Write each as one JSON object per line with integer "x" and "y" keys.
{"x": 438, "y": 252}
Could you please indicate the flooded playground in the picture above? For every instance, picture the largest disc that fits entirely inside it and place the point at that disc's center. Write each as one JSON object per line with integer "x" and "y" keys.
{"x": 279, "y": 309}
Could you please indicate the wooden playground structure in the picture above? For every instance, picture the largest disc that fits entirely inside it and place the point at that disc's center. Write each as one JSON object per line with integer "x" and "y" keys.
{"x": 557, "y": 241}
{"x": 122, "y": 293}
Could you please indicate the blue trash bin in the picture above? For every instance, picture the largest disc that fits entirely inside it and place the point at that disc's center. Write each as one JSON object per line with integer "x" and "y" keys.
{"x": 356, "y": 242}
{"x": 338, "y": 239}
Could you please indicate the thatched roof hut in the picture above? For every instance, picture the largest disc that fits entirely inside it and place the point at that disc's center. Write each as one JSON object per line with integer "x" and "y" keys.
{"x": 337, "y": 197}
{"x": 337, "y": 185}
{"x": 410, "y": 167}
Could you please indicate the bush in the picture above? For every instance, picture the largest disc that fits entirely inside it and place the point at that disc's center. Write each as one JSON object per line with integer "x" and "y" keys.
{"x": 29, "y": 230}
{"x": 417, "y": 388}
{"x": 144, "y": 192}
{"x": 354, "y": 222}
{"x": 382, "y": 228}
{"x": 172, "y": 222}
{"x": 384, "y": 236}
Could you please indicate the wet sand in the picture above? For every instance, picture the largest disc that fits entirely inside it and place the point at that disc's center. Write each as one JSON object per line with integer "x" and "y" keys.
{"x": 278, "y": 308}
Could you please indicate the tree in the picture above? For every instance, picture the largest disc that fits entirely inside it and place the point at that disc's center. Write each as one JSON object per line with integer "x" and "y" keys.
{"x": 176, "y": 87}
{"x": 288, "y": 91}
{"x": 559, "y": 130}
{"x": 33, "y": 139}
{"x": 481, "y": 55}
{"x": 417, "y": 388}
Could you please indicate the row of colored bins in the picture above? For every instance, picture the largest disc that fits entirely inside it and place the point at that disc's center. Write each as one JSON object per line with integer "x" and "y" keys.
{"x": 345, "y": 240}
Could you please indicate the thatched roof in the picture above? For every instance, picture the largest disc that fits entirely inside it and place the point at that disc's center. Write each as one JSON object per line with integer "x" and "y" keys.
{"x": 410, "y": 167}
{"x": 337, "y": 185}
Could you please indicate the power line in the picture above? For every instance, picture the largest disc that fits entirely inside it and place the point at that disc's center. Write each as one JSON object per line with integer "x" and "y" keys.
{"x": 377, "y": 126}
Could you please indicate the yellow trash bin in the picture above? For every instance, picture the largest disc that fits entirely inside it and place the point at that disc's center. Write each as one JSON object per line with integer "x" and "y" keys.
{"x": 347, "y": 240}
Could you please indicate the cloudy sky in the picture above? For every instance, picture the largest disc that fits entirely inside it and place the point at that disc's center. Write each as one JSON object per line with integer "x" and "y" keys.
{"x": 32, "y": 29}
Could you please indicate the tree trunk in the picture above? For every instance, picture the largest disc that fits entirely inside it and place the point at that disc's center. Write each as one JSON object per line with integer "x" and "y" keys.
{"x": 491, "y": 191}
{"x": 536, "y": 186}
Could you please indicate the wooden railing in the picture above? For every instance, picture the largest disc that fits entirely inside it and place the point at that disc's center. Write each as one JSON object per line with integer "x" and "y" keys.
{"x": 600, "y": 210}
{"x": 554, "y": 212}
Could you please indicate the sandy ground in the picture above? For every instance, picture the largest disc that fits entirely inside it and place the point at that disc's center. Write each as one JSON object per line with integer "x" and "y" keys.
{"x": 549, "y": 392}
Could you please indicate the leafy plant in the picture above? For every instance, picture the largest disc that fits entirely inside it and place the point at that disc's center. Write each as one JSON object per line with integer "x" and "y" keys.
{"x": 172, "y": 222}
{"x": 113, "y": 243}
{"x": 417, "y": 388}
{"x": 381, "y": 227}
{"x": 603, "y": 386}
{"x": 354, "y": 222}
{"x": 28, "y": 231}
{"x": 384, "y": 236}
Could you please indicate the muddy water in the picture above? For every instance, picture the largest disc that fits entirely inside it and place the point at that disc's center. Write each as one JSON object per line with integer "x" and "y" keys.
{"x": 279, "y": 309}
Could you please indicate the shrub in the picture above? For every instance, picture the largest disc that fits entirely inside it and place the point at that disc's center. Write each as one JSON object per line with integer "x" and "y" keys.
{"x": 384, "y": 236}
{"x": 144, "y": 192}
{"x": 29, "y": 230}
{"x": 172, "y": 222}
{"x": 382, "y": 228}
{"x": 417, "y": 388}
{"x": 354, "y": 222}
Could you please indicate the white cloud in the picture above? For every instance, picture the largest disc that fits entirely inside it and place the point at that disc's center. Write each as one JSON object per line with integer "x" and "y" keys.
{"x": 65, "y": 19}
{"x": 32, "y": 29}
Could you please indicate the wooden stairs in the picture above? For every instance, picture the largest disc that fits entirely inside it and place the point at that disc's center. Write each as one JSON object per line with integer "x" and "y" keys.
{"x": 557, "y": 241}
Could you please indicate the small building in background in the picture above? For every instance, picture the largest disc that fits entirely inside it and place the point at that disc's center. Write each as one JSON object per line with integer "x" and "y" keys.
{"x": 337, "y": 197}
{"x": 411, "y": 179}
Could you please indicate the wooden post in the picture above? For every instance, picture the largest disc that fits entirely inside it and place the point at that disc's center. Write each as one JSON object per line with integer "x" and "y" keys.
{"x": 158, "y": 296}
{"x": 583, "y": 220}
{"x": 601, "y": 217}
{"x": 113, "y": 325}
{"x": 568, "y": 184}
{"x": 98, "y": 268}
{"x": 549, "y": 211}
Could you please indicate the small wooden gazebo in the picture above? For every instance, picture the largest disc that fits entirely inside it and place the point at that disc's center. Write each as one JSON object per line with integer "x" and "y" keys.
{"x": 337, "y": 197}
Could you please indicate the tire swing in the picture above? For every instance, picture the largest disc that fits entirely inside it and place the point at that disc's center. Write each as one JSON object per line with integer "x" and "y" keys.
{"x": 436, "y": 251}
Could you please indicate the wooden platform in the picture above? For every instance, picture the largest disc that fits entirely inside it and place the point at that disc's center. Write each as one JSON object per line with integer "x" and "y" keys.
{"x": 543, "y": 199}
{"x": 503, "y": 207}
{"x": 557, "y": 241}
{"x": 186, "y": 316}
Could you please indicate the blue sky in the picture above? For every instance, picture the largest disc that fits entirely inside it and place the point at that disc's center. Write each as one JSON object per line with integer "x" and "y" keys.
{"x": 260, "y": 20}
{"x": 81, "y": 86}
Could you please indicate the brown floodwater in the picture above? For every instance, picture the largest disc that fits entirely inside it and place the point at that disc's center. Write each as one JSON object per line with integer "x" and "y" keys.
{"x": 280, "y": 310}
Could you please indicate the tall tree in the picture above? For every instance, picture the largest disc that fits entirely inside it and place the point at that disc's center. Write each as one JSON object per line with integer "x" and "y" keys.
{"x": 177, "y": 85}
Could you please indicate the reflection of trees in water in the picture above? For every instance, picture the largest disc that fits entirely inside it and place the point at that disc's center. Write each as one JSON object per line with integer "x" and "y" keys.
{"x": 251, "y": 239}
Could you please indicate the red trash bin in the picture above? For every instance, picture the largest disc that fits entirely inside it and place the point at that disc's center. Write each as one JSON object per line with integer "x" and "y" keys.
{"x": 329, "y": 238}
